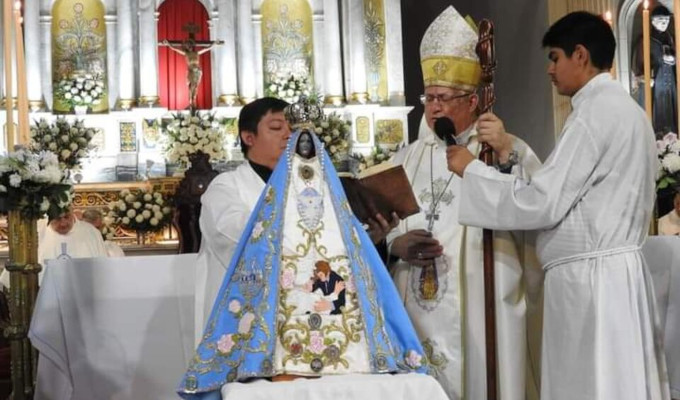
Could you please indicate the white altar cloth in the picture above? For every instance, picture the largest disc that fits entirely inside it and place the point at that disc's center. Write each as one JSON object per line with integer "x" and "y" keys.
{"x": 662, "y": 254}
{"x": 114, "y": 328}
{"x": 340, "y": 387}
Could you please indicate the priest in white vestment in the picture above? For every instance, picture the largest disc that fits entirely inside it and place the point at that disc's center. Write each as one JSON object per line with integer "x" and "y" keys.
{"x": 67, "y": 236}
{"x": 669, "y": 224}
{"x": 230, "y": 198}
{"x": 440, "y": 269}
{"x": 591, "y": 203}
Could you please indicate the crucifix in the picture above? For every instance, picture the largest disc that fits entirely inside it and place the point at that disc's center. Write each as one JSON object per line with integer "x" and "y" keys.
{"x": 191, "y": 49}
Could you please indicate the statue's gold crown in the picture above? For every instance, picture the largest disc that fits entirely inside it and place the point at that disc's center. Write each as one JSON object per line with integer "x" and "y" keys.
{"x": 304, "y": 113}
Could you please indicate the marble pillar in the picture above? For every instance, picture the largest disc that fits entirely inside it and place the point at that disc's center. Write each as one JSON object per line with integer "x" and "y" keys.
{"x": 32, "y": 45}
{"x": 225, "y": 55}
{"x": 111, "y": 22}
{"x": 246, "y": 51}
{"x": 125, "y": 65}
{"x": 332, "y": 53}
{"x": 356, "y": 62}
{"x": 148, "y": 53}
{"x": 394, "y": 50}
{"x": 46, "y": 58}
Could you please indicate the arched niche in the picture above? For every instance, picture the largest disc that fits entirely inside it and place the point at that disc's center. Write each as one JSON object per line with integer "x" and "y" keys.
{"x": 79, "y": 55}
{"x": 287, "y": 40}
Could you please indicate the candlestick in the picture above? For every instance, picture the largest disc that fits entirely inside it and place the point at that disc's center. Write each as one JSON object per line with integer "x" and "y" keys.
{"x": 647, "y": 59}
{"x": 676, "y": 18}
{"x": 7, "y": 47}
{"x": 22, "y": 90}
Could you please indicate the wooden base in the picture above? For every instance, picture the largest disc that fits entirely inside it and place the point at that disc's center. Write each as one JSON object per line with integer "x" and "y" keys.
{"x": 289, "y": 377}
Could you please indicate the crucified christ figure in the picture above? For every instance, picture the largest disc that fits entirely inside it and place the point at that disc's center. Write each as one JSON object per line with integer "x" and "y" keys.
{"x": 192, "y": 49}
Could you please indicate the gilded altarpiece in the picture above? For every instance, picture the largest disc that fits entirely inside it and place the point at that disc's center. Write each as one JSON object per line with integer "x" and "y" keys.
{"x": 287, "y": 39}
{"x": 79, "y": 53}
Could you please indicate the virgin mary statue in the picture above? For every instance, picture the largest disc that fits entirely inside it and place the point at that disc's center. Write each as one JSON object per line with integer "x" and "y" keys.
{"x": 306, "y": 293}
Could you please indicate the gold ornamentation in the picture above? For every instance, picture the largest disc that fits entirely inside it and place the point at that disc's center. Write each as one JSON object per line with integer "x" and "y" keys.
{"x": 149, "y": 101}
{"x": 359, "y": 98}
{"x": 363, "y": 132}
{"x": 229, "y": 100}
{"x": 125, "y": 104}
{"x": 389, "y": 132}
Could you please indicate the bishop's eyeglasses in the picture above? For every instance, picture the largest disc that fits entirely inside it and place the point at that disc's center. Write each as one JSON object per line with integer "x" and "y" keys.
{"x": 441, "y": 98}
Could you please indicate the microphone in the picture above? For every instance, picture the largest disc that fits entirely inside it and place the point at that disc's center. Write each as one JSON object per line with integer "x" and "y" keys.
{"x": 446, "y": 130}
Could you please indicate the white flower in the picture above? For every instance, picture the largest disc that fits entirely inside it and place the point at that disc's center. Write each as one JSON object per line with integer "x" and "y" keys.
{"x": 73, "y": 146}
{"x": 126, "y": 220}
{"x": 147, "y": 197}
{"x": 3, "y": 189}
{"x": 139, "y": 218}
{"x": 15, "y": 180}
{"x": 136, "y": 204}
{"x": 153, "y": 221}
{"x": 131, "y": 213}
{"x": 45, "y": 205}
{"x": 671, "y": 162}
{"x": 146, "y": 214}
{"x": 65, "y": 153}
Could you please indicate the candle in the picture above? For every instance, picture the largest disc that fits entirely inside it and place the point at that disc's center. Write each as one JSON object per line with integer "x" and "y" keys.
{"x": 647, "y": 59}
{"x": 22, "y": 91}
{"x": 610, "y": 21}
{"x": 7, "y": 47}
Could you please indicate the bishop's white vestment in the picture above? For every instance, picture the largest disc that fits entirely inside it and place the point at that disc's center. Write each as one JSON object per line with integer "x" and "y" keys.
{"x": 225, "y": 208}
{"x": 592, "y": 203}
{"x": 451, "y": 325}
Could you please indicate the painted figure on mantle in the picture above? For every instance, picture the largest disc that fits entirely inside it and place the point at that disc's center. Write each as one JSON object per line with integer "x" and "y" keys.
{"x": 305, "y": 293}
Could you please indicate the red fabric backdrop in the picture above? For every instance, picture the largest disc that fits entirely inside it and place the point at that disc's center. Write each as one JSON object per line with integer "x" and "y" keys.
{"x": 172, "y": 67}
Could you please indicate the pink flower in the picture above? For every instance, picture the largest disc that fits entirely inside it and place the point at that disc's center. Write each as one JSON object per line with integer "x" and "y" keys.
{"x": 316, "y": 342}
{"x": 225, "y": 344}
{"x": 258, "y": 228}
{"x": 287, "y": 278}
{"x": 234, "y": 306}
{"x": 413, "y": 359}
{"x": 668, "y": 140}
{"x": 246, "y": 322}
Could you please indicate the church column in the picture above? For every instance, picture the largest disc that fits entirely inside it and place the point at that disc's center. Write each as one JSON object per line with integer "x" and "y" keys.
{"x": 395, "y": 57}
{"x": 333, "y": 53}
{"x": 226, "y": 53}
{"x": 32, "y": 45}
{"x": 111, "y": 51}
{"x": 148, "y": 53}
{"x": 125, "y": 56}
{"x": 46, "y": 58}
{"x": 356, "y": 53}
{"x": 246, "y": 54}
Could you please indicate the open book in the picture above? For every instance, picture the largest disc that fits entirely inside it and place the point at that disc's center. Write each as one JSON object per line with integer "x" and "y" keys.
{"x": 382, "y": 189}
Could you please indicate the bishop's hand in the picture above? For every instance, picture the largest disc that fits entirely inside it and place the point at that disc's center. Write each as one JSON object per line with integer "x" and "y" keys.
{"x": 458, "y": 158}
{"x": 490, "y": 130}
{"x": 417, "y": 247}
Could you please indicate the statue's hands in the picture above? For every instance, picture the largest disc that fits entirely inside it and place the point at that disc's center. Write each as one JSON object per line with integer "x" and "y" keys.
{"x": 165, "y": 42}
{"x": 417, "y": 247}
{"x": 378, "y": 228}
{"x": 339, "y": 287}
{"x": 323, "y": 305}
{"x": 490, "y": 130}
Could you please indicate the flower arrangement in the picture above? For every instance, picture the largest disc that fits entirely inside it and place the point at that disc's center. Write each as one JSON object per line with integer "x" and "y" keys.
{"x": 192, "y": 133}
{"x": 668, "y": 151}
{"x": 142, "y": 210}
{"x": 80, "y": 90}
{"x": 289, "y": 88}
{"x": 70, "y": 142}
{"x": 334, "y": 133}
{"x": 108, "y": 229}
{"x": 378, "y": 155}
{"x": 33, "y": 183}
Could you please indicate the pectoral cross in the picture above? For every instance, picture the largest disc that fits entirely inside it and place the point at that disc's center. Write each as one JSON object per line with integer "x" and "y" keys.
{"x": 431, "y": 216}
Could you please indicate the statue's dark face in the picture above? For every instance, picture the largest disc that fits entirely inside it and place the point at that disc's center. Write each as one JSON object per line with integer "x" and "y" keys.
{"x": 305, "y": 145}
